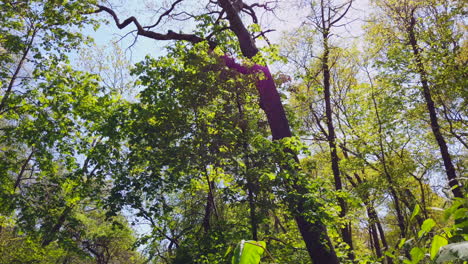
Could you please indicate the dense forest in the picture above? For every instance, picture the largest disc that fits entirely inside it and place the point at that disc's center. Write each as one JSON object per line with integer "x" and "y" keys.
{"x": 343, "y": 139}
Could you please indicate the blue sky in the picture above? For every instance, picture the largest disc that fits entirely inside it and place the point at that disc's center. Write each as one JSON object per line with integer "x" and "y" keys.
{"x": 285, "y": 18}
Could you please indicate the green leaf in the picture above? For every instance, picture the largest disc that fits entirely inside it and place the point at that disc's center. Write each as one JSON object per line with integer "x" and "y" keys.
{"x": 437, "y": 243}
{"x": 416, "y": 211}
{"x": 402, "y": 242}
{"x": 426, "y": 227}
{"x": 387, "y": 253}
{"x": 248, "y": 252}
{"x": 460, "y": 213}
{"x": 417, "y": 255}
{"x": 228, "y": 251}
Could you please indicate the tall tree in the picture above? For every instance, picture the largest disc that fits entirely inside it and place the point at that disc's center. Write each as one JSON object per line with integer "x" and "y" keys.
{"x": 404, "y": 16}
{"x": 324, "y": 17}
{"x": 50, "y": 114}
{"x": 225, "y": 14}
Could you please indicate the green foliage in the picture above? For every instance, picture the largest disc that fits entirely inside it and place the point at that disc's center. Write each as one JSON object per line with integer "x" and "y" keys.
{"x": 248, "y": 252}
{"x": 92, "y": 238}
{"x": 438, "y": 242}
{"x": 51, "y": 158}
{"x": 190, "y": 159}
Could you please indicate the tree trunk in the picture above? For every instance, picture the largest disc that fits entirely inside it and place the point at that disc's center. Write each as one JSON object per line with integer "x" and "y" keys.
{"x": 250, "y": 185}
{"x": 318, "y": 244}
{"x": 372, "y": 215}
{"x": 449, "y": 168}
{"x": 210, "y": 206}
{"x": 315, "y": 237}
{"x": 375, "y": 240}
{"x": 388, "y": 176}
{"x": 314, "y": 233}
{"x": 51, "y": 234}
{"x": 208, "y": 210}
{"x": 345, "y": 231}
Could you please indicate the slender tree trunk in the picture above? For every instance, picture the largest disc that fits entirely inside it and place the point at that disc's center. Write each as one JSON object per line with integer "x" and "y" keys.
{"x": 51, "y": 234}
{"x": 208, "y": 209}
{"x": 252, "y": 209}
{"x": 423, "y": 195}
{"x": 375, "y": 239}
{"x": 388, "y": 176}
{"x": 346, "y": 230}
{"x": 396, "y": 203}
{"x": 250, "y": 185}
{"x": 449, "y": 168}
{"x": 372, "y": 214}
{"x": 4, "y": 101}
{"x": 370, "y": 239}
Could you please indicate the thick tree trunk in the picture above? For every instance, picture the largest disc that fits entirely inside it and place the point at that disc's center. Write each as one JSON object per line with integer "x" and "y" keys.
{"x": 314, "y": 232}
{"x": 316, "y": 239}
{"x": 449, "y": 168}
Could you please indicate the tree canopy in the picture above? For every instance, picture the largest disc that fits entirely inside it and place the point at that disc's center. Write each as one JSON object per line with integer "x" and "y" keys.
{"x": 227, "y": 146}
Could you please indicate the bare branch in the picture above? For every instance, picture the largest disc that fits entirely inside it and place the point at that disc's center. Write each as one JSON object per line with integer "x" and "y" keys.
{"x": 170, "y": 35}
{"x": 165, "y": 14}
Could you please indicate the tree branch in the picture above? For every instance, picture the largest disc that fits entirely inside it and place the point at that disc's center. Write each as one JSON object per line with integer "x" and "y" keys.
{"x": 246, "y": 42}
{"x": 170, "y": 35}
{"x": 166, "y": 13}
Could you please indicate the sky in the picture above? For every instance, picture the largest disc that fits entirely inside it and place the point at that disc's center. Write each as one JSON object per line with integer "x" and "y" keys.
{"x": 286, "y": 16}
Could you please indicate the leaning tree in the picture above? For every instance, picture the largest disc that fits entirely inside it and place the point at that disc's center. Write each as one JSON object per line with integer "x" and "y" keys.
{"x": 232, "y": 15}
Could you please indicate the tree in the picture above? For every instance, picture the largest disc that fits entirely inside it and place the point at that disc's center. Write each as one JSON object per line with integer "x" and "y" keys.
{"x": 50, "y": 115}
{"x": 179, "y": 148}
{"x": 404, "y": 18}
{"x": 323, "y": 18}
{"x": 226, "y": 16}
